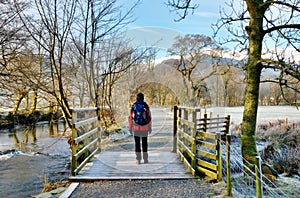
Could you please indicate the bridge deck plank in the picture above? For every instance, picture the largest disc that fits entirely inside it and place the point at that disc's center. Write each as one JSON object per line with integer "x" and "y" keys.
{"x": 111, "y": 165}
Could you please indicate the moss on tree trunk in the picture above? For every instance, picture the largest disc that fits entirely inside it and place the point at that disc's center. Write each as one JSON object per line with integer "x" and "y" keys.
{"x": 253, "y": 68}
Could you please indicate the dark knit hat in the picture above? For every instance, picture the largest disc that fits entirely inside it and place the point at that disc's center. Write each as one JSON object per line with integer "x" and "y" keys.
{"x": 140, "y": 96}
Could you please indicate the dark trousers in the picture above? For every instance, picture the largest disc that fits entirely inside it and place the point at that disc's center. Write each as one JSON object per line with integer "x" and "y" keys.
{"x": 138, "y": 150}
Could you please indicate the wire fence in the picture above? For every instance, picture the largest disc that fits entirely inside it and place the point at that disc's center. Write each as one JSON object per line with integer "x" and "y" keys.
{"x": 243, "y": 179}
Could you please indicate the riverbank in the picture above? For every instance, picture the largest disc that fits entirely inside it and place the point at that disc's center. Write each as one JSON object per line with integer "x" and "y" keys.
{"x": 9, "y": 120}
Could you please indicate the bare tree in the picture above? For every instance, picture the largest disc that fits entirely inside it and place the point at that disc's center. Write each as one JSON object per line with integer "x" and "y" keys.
{"x": 252, "y": 24}
{"x": 193, "y": 50}
{"x": 96, "y": 21}
{"x": 12, "y": 37}
{"x": 259, "y": 26}
{"x": 101, "y": 51}
{"x": 13, "y": 43}
{"x": 50, "y": 29}
{"x": 116, "y": 58}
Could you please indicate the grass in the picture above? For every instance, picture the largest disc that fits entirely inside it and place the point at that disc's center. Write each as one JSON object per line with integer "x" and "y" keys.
{"x": 282, "y": 148}
{"x": 51, "y": 186}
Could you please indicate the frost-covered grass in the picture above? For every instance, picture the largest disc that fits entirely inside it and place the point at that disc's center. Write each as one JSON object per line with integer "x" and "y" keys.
{"x": 282, "y": 146}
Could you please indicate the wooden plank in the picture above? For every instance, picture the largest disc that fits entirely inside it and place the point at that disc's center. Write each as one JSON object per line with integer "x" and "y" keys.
{"x": 208, "y": 172}
{"x": 189, "y": 152}
{"x": 209, "y": 119}
{"x": 206, "y": 135}
{"x": 187, "y": 136}
{"x": 186, "y": 122}
{"x": 132, "y": 177}
{"x": 214, "y": 127}
{"x": 207, "y": 164}
{"x": 67, "y": 193}
{"x": 207, "y": 154}
{"x": 85, "y": 161}
{"x": 86, "y": 135}
{"x": 186, "y": 163}
{"x": 77, "y": 155}
{"x": 206, "y": 144}
{"x": 86, "y": 122}
{"x": 121, "y": 165}
{"x": 189, "y": 109}
{"x": 216, "y": 123}
{"x": 218, "y": 118}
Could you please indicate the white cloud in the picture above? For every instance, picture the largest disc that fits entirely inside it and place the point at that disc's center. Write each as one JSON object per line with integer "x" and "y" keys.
{"x": 206, "y": 14}
{"x": 148, "y": 36}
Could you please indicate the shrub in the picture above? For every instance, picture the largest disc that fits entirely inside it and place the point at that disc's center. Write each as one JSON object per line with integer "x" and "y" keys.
{"x": 283, "y": 147}
{"x": 288, "y": 161}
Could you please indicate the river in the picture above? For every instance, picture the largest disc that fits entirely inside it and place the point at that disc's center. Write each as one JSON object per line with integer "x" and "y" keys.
{"x": 28, "y": 155}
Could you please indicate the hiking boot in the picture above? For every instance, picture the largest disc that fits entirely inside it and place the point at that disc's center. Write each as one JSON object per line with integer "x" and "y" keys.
{"x": 138, "y": 161}
{"x": 145, "y": 157}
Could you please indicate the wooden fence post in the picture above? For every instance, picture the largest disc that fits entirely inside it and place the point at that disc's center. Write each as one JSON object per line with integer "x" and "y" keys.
{"x": 228, "y": 172}
{"x": 227, "y": 126}
{"x": 175, "y": 128}
{"x": 73, "y": 145}
{"x": 185, "y": 127}
{"x": 99, "y": 128}
{"x": 219, "y": 157}
{"x": 258, "y": 177}
{"x": 194, "y": 145}
{"x": 205, "y": 123}
{"x": 179, "y": 116}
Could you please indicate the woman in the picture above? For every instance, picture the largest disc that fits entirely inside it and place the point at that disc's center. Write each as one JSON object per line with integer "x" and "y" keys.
{"x": 140, "y": 125}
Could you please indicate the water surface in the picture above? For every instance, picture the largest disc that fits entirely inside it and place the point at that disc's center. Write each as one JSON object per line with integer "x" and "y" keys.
{"x": 28, "y": 155}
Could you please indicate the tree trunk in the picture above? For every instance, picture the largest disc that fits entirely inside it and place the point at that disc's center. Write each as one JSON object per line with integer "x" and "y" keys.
{"x": 34, "y": 101}
{"x": 248, "y": 140}
{"x": 253, "y": 68}
{"x": 18, "y": 102}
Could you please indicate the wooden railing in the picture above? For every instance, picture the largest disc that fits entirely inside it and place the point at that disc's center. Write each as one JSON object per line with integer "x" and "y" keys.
{"x": 86, "y": 137}
{"x": 199, "y": 140}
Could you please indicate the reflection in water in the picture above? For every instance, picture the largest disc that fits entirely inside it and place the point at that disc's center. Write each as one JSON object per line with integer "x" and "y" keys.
{"x": 25, "y": 137}
{"x": 28, "y": 155}
{"x": 15, "y": 138}
{"x": 31, "y": 130}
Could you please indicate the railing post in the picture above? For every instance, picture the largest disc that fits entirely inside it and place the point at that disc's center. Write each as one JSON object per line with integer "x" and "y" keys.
{"x": 194, "y": 145}
{"x": 228, "y": 172}
{"x": 258, "y": 177}
{"x": 99, "y": 128}
{"x": 227, "y": 125}
{"x": 179, "y": 116}
{"x": 73, "y": 145}
{"x": 205, "y": 123}
{"x": 185, "y": 127}
{"x": 175, "y": 128}
{"x": 219, "y": 157}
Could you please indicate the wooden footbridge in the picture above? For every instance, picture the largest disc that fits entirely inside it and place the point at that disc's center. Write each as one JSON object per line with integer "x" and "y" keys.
{"x": 176, "y": 138}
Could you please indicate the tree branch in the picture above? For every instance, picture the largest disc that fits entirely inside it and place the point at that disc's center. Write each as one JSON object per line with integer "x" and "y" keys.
{"x": 181, "y": 5}
{"x": 280, "y": 27}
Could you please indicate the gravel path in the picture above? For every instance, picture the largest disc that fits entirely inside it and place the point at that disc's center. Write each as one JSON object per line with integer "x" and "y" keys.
{"x": 150, "y": 189}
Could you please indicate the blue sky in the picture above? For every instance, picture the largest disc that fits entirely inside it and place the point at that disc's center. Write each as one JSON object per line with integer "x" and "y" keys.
{"x": 154, "y": 23}
{"x": 155, "y": 13}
